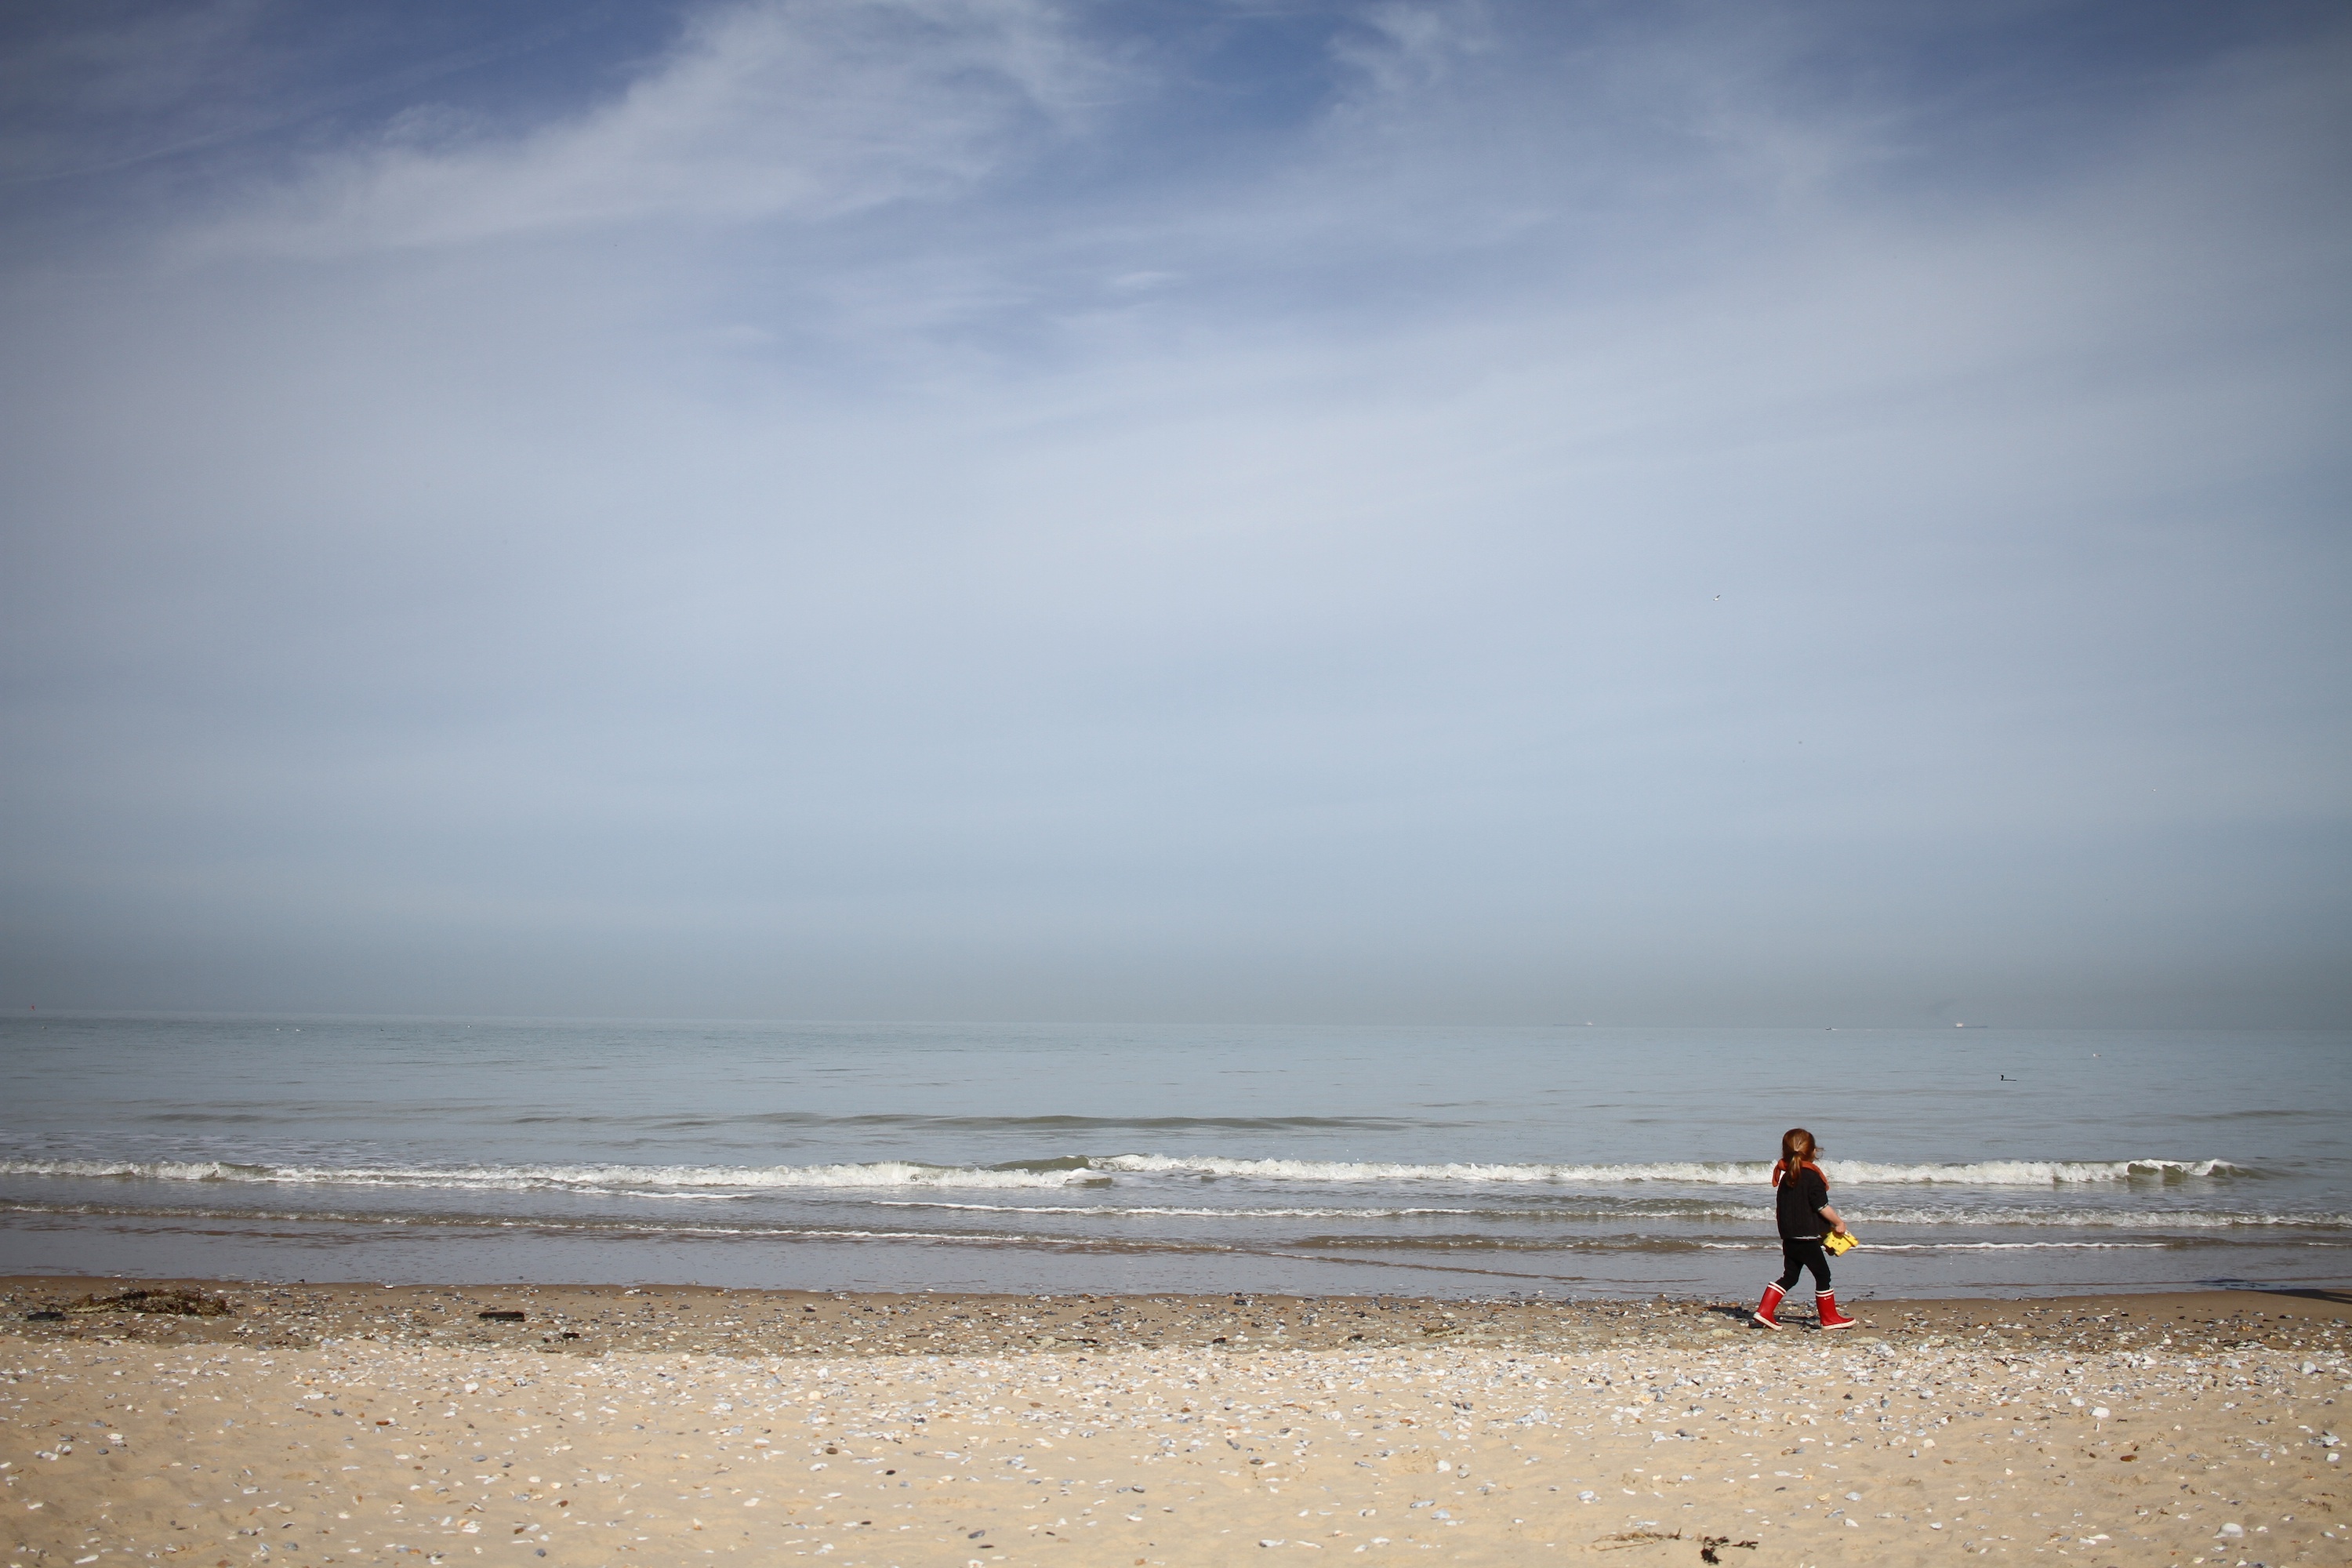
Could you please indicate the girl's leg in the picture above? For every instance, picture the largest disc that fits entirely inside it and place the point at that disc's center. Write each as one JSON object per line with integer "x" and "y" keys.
{"x": 1793, "y": 1260}
{"x": 1765, "y": 1310}
{"x": 1818, "y": 1260}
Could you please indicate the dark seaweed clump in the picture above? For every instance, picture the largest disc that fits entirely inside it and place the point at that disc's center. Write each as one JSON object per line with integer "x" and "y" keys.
{"x": 170, "y": 1301}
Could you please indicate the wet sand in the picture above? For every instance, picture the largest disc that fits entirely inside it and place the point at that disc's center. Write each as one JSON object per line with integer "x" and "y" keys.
{"x": 358, "y": 1424}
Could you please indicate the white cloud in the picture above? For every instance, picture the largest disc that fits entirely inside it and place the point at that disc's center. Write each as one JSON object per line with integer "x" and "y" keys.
{"x": 774, "y": 109}
{"x": 1405, "y": 45}
{"x": 1310, "y": 544}
{"x": 84, "y": 92}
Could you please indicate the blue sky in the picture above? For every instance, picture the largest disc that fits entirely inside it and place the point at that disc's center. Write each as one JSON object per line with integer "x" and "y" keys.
{"x": 950, "y": 508}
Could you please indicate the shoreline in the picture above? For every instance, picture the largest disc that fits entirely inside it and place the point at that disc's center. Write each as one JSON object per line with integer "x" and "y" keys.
{"x": 710, "y": 1320}
{"x": 361, "y": 1423}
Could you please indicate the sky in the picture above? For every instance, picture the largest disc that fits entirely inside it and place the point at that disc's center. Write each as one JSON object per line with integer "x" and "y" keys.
{"x": 1442, "y": 510}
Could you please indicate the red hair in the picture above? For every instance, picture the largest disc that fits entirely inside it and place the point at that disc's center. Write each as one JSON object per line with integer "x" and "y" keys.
{"x": 1797, "y": 1148}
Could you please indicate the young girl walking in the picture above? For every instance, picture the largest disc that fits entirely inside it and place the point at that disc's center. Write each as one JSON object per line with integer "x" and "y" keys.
{"x": 1802, "y": 1202}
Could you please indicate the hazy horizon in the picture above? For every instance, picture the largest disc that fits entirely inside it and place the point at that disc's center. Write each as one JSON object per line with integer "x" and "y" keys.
{"x": 1196, "y": 1029}
{"x": 1275, "y": 510}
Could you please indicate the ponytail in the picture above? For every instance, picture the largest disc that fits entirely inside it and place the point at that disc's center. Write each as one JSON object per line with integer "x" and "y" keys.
{"x": 1798, "y": 1148}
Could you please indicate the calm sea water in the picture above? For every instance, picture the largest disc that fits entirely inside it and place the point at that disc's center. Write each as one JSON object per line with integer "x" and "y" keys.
{"x": 1573, "y": 1161}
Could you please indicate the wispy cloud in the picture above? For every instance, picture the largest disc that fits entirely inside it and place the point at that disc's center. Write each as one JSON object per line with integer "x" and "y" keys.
{"x": 1540, "y": 509}
{"x": 785, "y": 108}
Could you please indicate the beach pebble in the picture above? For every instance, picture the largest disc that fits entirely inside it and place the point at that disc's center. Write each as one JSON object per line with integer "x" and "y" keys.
{"x": 1555, "y": 1411}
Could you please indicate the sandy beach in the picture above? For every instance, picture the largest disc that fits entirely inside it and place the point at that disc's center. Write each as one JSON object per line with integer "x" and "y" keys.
{"x": 356, "y": 1423}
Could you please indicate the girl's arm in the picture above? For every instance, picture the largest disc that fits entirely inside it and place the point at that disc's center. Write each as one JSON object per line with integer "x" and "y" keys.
{"x": 1836, "y": 1221}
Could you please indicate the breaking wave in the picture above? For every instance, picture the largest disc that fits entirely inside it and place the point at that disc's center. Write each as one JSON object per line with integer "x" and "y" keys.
{"x": 1085, "y": 1171}
{"x": 632, "y": 1179}
{"x": 1690, "y": 1173}
{"x": 2124, "y": 1219}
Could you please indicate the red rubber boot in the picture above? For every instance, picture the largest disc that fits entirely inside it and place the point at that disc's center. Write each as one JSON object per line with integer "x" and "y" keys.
{"x": 1826, "y": 1300}
{"x": 1768, "y": 1313}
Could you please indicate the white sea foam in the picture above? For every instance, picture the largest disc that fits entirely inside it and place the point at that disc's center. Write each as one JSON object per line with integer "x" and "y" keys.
{"x": 2017, "y": 1247}
{"x": 2128, "y": 1219}
{"x": 541, "y": 1225}
{"x": 1096, "y": 1172}
{"x": 2029, "y": 1173}
{"x": 1689, "y": 1172}
{"x": 605, "y": 1179}
{"x": 1959, "y": 1247}
{"x": 1970, "y": 1215}
{"x": 1121, "y": 1211}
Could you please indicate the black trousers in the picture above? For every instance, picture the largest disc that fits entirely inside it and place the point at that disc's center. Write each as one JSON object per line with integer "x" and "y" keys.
{"x": 1800, "y": 1253}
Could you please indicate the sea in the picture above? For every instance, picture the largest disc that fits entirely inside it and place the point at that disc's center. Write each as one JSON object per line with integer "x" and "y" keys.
{"x": 1577, "y": 1161}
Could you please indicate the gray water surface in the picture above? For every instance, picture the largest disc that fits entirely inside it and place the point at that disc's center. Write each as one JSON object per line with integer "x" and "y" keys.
{"x": 1571, "y": 1161}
